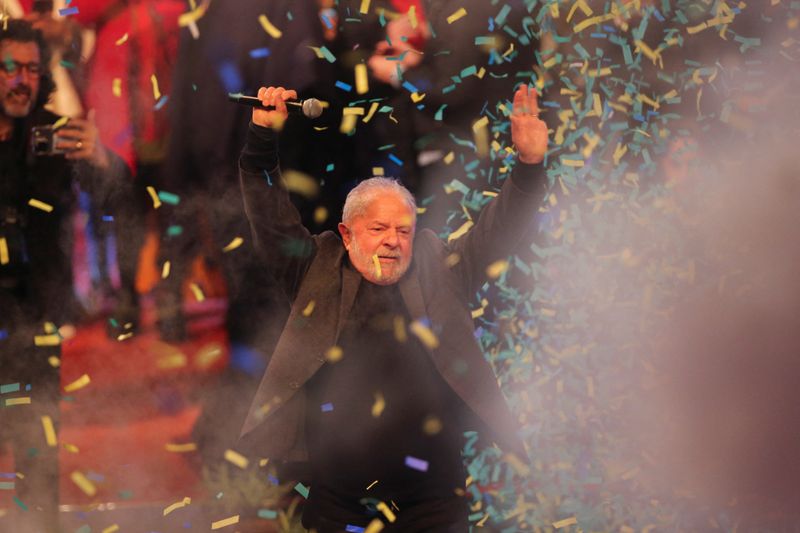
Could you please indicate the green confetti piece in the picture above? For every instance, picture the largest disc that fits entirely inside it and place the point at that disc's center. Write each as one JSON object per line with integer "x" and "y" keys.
{"x": 269, "y": 514}
{"x": 327, "y": 54}
{"x": 302, "y": 490}
{"x": 169, "y": 198}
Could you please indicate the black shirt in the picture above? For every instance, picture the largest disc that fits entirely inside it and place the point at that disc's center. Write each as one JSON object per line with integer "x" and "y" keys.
{"x": 410, "y": 452}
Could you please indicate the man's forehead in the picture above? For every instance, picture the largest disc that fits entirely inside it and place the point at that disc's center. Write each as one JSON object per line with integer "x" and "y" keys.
{"x": 11, "y": 47}
{"x": 390, "y": 204}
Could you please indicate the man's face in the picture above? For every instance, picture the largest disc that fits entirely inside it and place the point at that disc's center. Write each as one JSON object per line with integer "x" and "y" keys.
{"x": 380, "y": 240}
{"x": 19, "y": 77}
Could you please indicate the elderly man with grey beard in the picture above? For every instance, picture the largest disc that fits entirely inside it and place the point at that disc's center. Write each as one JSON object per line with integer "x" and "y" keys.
{"x": 377, "y": 374}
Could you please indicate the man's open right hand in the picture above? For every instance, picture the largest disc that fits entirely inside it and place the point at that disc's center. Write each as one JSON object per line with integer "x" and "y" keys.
{"x": 274, "y": 98}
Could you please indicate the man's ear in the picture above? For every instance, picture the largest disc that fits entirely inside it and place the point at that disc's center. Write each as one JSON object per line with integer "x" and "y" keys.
{"x": 344, "y": 231}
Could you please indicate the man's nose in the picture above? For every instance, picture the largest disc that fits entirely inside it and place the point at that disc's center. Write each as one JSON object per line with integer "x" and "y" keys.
{"x": 391, "y": 239}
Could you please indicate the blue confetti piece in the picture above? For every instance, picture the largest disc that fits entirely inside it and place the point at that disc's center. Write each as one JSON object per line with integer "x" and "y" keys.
{"x": 8, "y": 475}
{"x": 257, "y": 53}
{"x": 416, "y": 464}
{"x": 327, "y": 22}
{"x": 267, "y": 514}
{"x": 230, "y": 76}
{"x": 68, "y": 11}
{"x": 329, "y": 167}
{"x": 269, "y": 180}
{"x": 161, "y": 102}
{"x": 3, "y": 334}
{"x": 344, "y": 86}
{"x": 108, "y": 218}
{"x": 354, "y": 529}
{"x": 396, "y": 160}
{"x": 27, "y": 387}
{"x": 327, "y": 407}
{"x": 410, "y": 87}
{"x": 272, "y": 479}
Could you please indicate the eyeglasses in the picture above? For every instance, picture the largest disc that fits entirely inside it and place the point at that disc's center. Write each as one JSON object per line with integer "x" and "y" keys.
{"x": 12, "y": 68}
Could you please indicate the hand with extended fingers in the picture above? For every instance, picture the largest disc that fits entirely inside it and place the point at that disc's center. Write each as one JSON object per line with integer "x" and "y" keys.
{"x": 528, "y": 131}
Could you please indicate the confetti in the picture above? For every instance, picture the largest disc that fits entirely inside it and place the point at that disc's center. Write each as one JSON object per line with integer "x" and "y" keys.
{"x": 25, "y": 400}
{"x": 424, "y": 334}
{"x": 122, "y": 40}
{"x": 273, "y": 32}
{"x": 38, "y": 204}
{"x": 334, "y": 354}
{"x": 459, "y": 13}
{"x": 219, "y": 524}
{"x": 180, "y": 448}
{"x": 49, "y": 431}
{"x": 565, "y": 522}
{"x": 416, "y": 464}
{"x": 165, "y": 268}
{"x": 377, "y": 264}
{"x": 309, "y": 308}
{"x": 177, "y": 505}
{"x": 378, "y": 406}
{"x": 154, "y": 196}
{"x": 111, "y": 529}
{"x": 364, "y": 9}
{"x": 83, "y": 483}
{"x": 4, "y": 259}
{"x": 78, "y": 384}
{"x": 362, "y": 85}
{"x": 156, "y": 91}
{"x": 376, "y": 526}
{"x": 383, "y": 508}
{"x": 197, "y": 292}
{"x": 302, "y": 490}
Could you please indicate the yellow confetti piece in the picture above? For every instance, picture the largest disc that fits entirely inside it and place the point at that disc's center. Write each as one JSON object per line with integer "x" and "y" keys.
{"x": 382, "y": 507}
{"x": 460, "y": 12}
{"x": 481, "y": 123}
{"x": 219, "y": 524}
{"x": 424, "y": 334}
{"x": 378, "y": 406}
{"x": 377, "y": 263}
{"x": 320, "y": 214}
{"x": 412, "y": 16}
{"x": 400, "y": 329}
{"x": 165, "y": 269}
{"x": 274, "y": 32}
{"x": 25, "y": 400}
{"x": 122, "y": 39}
{"x": 154, "y": 196}
{"x": 207, "y": 355}
{"x": 460, "y": 231}
{"x": 496, "y": 269}
{"x": 54, "y": 361}
{"x": 362, "y": 84}
{"x": 432, "y": 425}
{"x": 38, "y": 204}
{"x": 60, "y": 122}
{"x": 234, "y": 244}
{"x": 116, "y": 87}
{"x": 113, "y": 528}
{"x": 180, "y": 448}
{"x": 79, "y": 383}
{"x": 364, "y": 9}
{"x": 417, "y": 97}
{"x": 377, "y": 171}
{"x": 190, "y": 17}
{"x": 198, "y": 293}
{"x": 236, "y": 458}
{"x": 572, "y": 162}
{"x": 334, "y": 354}
{"x": 4, "y": 259}
{"x": 156, "y": 91}
{"x": 371, "y": 113}
{"x": 309, "y": 308}
{"x": 566, "y": 522}
{"x": 372, "y": 484}
{"x": 47, "y": 340}
{"x": 71, "y": 448}
{"x": 580, "y": 4}
{"x": 449, "y": 158}
{"x": 177, "y": 505}
{"x": 175, "y": 360}
{"x": 49, "y": 431}
{"x": 83, "y": 483}
{"x": 592, "y": 21}
{"x": 375, "y": 526}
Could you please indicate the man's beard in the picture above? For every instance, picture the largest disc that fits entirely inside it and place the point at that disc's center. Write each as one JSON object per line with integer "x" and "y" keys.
{"x": 12, "y": 107}
{"x": 380, "y": 273}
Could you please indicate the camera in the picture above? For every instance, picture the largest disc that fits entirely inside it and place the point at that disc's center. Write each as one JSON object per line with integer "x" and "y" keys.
{"x": 43, "y": 141}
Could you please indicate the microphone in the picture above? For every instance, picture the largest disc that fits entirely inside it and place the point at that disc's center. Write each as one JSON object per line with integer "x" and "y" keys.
{"x": 310, "y": 107}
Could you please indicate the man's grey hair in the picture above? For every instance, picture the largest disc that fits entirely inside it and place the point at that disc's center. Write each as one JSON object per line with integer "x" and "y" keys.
{"x": 359, "y": 198}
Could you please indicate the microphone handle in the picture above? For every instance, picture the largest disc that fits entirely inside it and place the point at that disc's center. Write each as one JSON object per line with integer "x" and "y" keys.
{"x": 252, "y": 101}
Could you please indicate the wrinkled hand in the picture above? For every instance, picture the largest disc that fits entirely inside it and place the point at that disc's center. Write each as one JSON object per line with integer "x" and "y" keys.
{"x": 274, "y": 97}
{"x": 79, "y": 138}
{"x": 528, "y": 131}
{"x": 400, "y": 34}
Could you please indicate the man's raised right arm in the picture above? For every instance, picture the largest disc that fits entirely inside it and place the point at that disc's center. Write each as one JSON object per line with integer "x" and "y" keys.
{"x": 275, "y": 223}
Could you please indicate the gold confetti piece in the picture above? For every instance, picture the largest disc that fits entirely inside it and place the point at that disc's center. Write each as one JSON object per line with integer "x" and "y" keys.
{"x": 592, "y": 21}
{"x": 481, "y": 123}
{"x": 362, "y": 84}
{"x": 334, "y": 354}
{"x": 180, "y": 448}
{"x": 378, "y": 406}
{"x": 566, "y": 522}
{"x": 154, "y": 195}
{"x": 54, "y": 361}
{"x": 177, "y": 505}
{"x": 309, "y": 308}
{"x": 372, "y": 484}
{"x": 113, "y": 528}
{"x": 219, "y": 524}
{"x": 412, "y": 16}
{"x": 431, "y": 425}
{"x": 482, "y": 521}
{"x": 460, "y": 12}
{"x": 83, "y": 483}
{"x": 460, "y": 231}
{"x": 156, "y": 91}
{"x": 25, "y": 400}
{"x": 375, "y": 526}
{"x": 234, "y": 244}
{"x": 60, "y": 122}
{"x": 364, "y": 9}
{"x": 3, "y": 251}
{"x": 274, "y": 32}
{"x": 47, "y": 340}
{"x": 190, "y": 17}
{"x": 580, "y": 4}
{"x": 496, "y": 269}
{"x": 263, "y": 462}
{"x": 71, "y": 448}
{"x": 175, "y": 360}
{"x": 320, "y": 214}
{"x": 353, "y": 110}
{"x": 122, "y": 39}
{"x": 38, "y": 204}
{"x": 165, "y": 269}
{"x": 416, "y": 97}
{"x": 236, "y": 458}
{"x": 116, "y": 87}
{"x": 424, "y": 334}
{"x": 449, "y": 158}
{"x": 207, "y": 355}
{"x": 372, "y": 109}
{"x": 400, "y": 329}
{"x": 49, "y": 431}
{"x": 301, "y": 183}
{"x": 377, "y": 263}
{"x": 79, "y": 383}
{"x": 382, "y": 507}
{"x": 198, "y": 293}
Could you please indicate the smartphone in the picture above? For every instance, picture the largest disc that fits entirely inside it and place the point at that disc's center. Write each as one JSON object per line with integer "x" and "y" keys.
{"x": 43, "y": 140}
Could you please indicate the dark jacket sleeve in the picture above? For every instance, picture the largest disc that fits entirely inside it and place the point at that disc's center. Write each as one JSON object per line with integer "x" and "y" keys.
{"x": 502, "y": 225}
{"x": 275, "y": 223}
